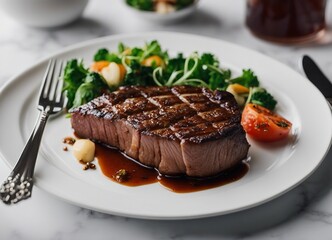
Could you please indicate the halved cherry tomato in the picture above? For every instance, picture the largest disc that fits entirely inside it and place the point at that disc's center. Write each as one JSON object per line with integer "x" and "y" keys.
{"x": 263, "y": 125}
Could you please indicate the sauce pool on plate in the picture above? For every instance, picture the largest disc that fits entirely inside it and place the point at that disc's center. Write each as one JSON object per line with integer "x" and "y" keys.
{"x": 124, "y": 170}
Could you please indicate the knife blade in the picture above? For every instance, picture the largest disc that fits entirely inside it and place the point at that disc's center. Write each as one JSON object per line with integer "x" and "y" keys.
{"x": 317, "y": 77}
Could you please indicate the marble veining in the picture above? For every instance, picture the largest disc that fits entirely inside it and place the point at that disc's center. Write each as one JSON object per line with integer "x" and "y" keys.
{"x": 303, "y": 213}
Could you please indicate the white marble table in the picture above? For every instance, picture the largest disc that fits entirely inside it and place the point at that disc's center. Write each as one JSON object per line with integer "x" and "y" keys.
{"x": 303, "y": 213}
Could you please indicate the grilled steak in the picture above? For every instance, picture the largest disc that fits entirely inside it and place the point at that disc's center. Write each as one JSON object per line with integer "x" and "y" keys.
{"x": 179, "y": 130}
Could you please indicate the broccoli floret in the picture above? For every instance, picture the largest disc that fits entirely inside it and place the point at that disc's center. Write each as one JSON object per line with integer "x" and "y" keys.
{"x": 217, "y": 80}
{"x": 209, "y": 59}
{"x": 247, "y": 79}
{"x": 153, "y": 48}
{"x": 146, "y": 5}
{"x": 104, "y": 55}
{"x": 260, "y": 96}
{"x": 101, "y": 54}
{"x": 139, "y": 75}
{"x": 183, "y": 3}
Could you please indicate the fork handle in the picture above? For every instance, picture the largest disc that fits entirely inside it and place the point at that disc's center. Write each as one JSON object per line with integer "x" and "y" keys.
{"x": 18, "y": 185}
{"x": 27, "y": 160}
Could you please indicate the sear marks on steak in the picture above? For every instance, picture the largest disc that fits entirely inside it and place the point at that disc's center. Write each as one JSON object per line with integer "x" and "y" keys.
{"x": 179, "y": 130}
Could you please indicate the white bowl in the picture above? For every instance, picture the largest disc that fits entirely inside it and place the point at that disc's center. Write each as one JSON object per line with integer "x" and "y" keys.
{"x": 163, "y": 18}
{"x": 44, "y": 13}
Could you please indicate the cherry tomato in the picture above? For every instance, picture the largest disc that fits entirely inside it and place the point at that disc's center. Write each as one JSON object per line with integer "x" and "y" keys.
{"x": 263, "y": 125}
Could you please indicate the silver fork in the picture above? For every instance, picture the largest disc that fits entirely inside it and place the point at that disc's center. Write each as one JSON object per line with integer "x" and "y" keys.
{"x": 18, "y": 185}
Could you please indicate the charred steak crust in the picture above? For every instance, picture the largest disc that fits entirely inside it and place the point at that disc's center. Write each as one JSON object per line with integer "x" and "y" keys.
{"x": 179, "y": 130}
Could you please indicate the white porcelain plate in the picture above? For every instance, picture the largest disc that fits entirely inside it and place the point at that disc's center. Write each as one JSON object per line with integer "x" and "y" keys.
{"x": 274, "y": 168}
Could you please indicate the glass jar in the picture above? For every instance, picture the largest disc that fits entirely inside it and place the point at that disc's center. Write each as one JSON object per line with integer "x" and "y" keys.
{"x": 286, "y": 21}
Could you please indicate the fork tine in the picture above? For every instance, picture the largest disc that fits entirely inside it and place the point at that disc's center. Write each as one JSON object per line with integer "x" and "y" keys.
{"x": 58, "y": 80}
{"x": 46, "y": 83}
{"x": 62, "y": 100}
{"x": 51, "y": 96}
{"x": 51, "y": 79}
{"x": 61, "y": 96}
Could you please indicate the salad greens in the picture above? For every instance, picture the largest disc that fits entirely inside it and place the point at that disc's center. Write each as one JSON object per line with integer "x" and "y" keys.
{"x": 150, "y": 65}
{"x": 138, "y": 75}
{"x": 247, "y": 79}
{"x": 146, "y": 5}
{"x": 81, "y": 85}
{"x": 197, "y": 70}
{"x": 104, "y": 55}
{"x": 91, "y": 87}
{"x": 149, "y": 5}
{"x": 74, "y": 75}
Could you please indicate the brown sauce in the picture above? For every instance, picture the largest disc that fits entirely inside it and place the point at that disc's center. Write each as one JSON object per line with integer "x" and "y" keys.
{"x": 111, "y": 161}
{"x": 285, "y": 20}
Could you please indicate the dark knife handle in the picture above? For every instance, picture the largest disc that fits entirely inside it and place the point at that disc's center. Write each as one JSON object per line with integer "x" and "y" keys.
{"x": 329, "y": 100}
{"x": 316, "y": 76}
